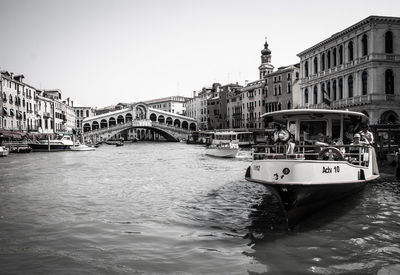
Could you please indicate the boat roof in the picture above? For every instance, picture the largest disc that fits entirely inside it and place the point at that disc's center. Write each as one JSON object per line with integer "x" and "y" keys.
{"x": 283, "y": 115}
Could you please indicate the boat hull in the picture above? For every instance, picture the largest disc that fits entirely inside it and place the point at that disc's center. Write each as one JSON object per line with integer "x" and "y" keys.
{"x": 45, "y": 147}
{"x": 4, "y": 152}
{"x": 304, "y": 187}
{"x": 299, "y": 201}
{"x": 222, "y": 152}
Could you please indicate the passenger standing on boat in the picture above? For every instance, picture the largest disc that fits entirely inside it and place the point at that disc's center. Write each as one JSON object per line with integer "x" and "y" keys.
{"x": 276, "y": 132}
{"x": 366, "y": 135}
{"x": 291, "y": 144}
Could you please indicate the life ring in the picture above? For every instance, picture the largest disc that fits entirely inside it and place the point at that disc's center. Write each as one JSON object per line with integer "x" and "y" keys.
{"x": 330, "y": 153}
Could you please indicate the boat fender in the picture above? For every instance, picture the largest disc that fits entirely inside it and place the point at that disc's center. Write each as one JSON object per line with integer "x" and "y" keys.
{"x": 361, "y": 175}
{"x": 248, "y": 172}
{"x": 330, "y": 153}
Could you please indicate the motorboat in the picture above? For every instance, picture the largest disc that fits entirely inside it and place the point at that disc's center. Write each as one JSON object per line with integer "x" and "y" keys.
{"x": 82, "y": 147}
{"x": 62, "y": 143}
{"x": 3, "y": 151}
{"x": 223, "y": 145}
{"x": 306, "y": 174}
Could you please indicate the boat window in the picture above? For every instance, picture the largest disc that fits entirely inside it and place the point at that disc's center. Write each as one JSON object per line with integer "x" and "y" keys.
{"x": 309, "y": 130}
{"x": 335, "y": 129}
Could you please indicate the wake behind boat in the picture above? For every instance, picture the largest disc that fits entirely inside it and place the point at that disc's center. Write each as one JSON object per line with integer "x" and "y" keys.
{"x": 223, "y": 145}
{"x": 62, "y": 143}
{"x": 308, "y": 174}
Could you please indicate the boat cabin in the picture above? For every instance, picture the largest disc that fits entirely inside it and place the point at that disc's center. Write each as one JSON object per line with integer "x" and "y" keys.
{"x": 314, "y": 134}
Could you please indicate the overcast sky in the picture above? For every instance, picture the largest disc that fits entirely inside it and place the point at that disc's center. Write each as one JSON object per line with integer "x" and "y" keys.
{"x": 101, "y": 52}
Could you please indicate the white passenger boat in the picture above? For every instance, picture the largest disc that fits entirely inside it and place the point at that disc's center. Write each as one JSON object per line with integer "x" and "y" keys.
{"x": 82, "y": 147}
{"x": 62, "y": 143}
{"x": 312, "y": 174}
{"x": 223, "y": 145}
{"x": 3, "y": 151}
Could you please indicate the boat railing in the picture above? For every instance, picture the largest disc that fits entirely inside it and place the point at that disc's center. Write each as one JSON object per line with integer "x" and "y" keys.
{"x": 355, "y": 154}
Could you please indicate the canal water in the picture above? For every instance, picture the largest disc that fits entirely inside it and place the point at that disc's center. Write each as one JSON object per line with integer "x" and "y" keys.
{"x": 167, "y": 208}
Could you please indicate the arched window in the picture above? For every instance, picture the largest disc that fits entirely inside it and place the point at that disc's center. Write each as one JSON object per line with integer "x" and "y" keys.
{"x": 315, "y": 65}
{"x": 388, "y": 42}
{"x": 306, "y": 96}
{"x": 323, "y": 62}
{"x": 315, "y": 94}
{"x": 364, "y": 82}
{"x": 350, "y": 86}
{"x": 306, "y": 68}
{"x": 341, "y": 88}
{"x": 364, "y": 45}
{"x": 334, "y": 57}
{"x": 341, "y": 54}
{"x": 334, "y": 89}
{"x": 350, "y": 50}
{"x": 389, "y": 82}
{"x": 328, "y": 89}
{"x": 328, "y": 59}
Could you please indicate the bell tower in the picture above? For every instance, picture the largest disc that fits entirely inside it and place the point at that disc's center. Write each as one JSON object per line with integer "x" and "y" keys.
{"x": 266, "y": 67}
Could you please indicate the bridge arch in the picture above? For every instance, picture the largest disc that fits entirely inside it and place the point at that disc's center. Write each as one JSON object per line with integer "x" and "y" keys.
{"x": 103, "y": 124}
{"x": 120, "y": 119}
{"x": 177, "y": 123}
{"x": 153, "y": 117}
{"x": 161, "y": 119}
{"x": 185, "y": 125}
{"x": 95, "y": 125}
{"x": 192, "y": 126}
{"x": 128, "y": 117}
{"x": 112, "y": 122}
{"x": 168, "y": 121}
{"x": 87, "y": 127}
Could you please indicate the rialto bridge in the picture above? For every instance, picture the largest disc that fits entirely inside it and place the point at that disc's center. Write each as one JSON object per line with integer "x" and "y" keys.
{"x": 138, "y": 122}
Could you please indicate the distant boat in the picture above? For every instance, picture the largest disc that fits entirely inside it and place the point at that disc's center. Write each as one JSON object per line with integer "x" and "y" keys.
{"x": 224, "y": 145}
{"x": 82, "y": 147}
{"x": 62, "y": 143}
{"x": 3, "y": 151}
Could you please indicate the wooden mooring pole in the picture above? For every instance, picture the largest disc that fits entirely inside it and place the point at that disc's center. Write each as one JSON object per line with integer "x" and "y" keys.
{"x": 398, "y": 166}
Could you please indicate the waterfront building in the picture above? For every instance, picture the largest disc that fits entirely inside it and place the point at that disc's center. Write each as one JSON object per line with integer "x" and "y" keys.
{"x": 197, "y": 107}
{"x": 171, "y": 104}
{"x": 282, "y": 89}
{"x": 45, "y": 114}
{"x": 234, "y": 108}
{"x": 111, "y": 108}
{"x": 357, "y": 68}
{"x": 193, "y": 107}
{"x": 62, "y": 118}
{"x": 82, "y": 112}
{"x": 17, "y": 105}
{"x": 217, "y": 107}
{"x": 253, "y": 102}
{"x": 26, "y": 111}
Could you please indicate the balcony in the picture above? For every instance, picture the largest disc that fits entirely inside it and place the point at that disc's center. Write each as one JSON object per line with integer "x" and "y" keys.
{"x": 355, "y": 101}
{"x": 46, "y": 114}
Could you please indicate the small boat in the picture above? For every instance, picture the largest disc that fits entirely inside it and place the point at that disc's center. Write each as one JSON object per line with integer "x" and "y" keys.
{"x": 82, "y": 147}
{"x": 3, "y": 151}
{"x": 224, "y": 145}
{"x": 62, "y": 143}
{"x": 306, "y": 175}
{"x": 20, "y": 149}
{"x": 121, "y": 143}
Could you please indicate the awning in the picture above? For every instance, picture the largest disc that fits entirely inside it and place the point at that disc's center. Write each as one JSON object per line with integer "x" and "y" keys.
{"x": 5, "y": 111}
{"x": 11, "y": 134}
{"x": 11, "y": 112}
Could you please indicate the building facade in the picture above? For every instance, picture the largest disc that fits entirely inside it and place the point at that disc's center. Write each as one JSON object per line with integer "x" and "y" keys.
{"x": 356, "y": 69}
{"x": 172, "y": 104}
{"x": 26, "y": 111}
